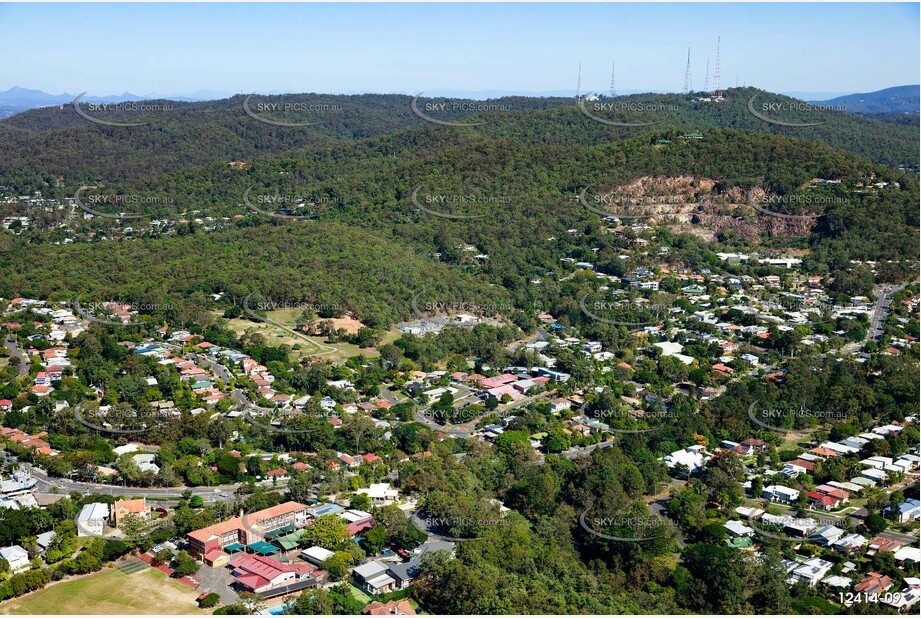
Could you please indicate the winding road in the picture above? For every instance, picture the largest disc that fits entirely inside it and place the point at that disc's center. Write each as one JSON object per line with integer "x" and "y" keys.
{"x": 15, "y": 352}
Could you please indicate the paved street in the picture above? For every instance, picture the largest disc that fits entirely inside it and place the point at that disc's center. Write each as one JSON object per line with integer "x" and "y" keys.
{"x": 15, "y": 352}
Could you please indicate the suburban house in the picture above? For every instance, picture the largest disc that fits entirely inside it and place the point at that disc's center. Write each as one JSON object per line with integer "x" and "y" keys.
{"x": 824, "y": 501}
{"x": 874, "y": 583}
{"x": 810, "y": 572}
{"x": 390, "y": 608}
{"x": 381, "y": 494}
{"x": 826, "y": 535}
{"x": 559, "y": 404}
{"x": 909, "y": 510}
{"x": 738, "y": 529}
{"x": 123, "y": 508}
{"x": 375, "y": 577}
{"x": 17, "y": 557}
{"x": 693, "y": 458}
{"x": 780, "y": 493}
{"x": 372, "y": 577}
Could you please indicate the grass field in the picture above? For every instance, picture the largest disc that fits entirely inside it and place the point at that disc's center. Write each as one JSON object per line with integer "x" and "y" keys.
{"x": 112, "y": 591}
{"x": 359, "y": 595}
{"x": 309, "y": 346}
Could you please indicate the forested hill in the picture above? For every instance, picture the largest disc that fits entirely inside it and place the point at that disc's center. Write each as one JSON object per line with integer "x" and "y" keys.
{"x": 48, "y": 145}
{"x": 321, "y": 263}
{"x": 895, "y": 100}
{"x": 372, "y": 247}
{"x": 531, "y": 189}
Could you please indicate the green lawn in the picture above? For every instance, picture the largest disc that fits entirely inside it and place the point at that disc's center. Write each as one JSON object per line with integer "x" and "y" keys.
{"x": 359, "y": 595}
{"x": 309, "y": 346}
{"x": 111, "y": 591}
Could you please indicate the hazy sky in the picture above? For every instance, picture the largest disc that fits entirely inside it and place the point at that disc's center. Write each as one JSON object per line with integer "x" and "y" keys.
{"x": 183, "y": 48}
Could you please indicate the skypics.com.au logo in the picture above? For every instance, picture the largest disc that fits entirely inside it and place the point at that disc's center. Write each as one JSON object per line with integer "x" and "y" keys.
{"x": 609, "y": 416}
{"x": 440, "y": 204}
{"x": 792, "y": 113}
{"x": 460, "y": 416}
{"x": 131, "y": 108}
{"x": 122, "y": 312}
{"x": 442, "y": 110}
{"x": 784, "y": 419}
{"x": 290, "y": 206}
{"x": 628, "y": 313}
{"x": 458, "y": 529}
{"x": 615, "y": 112}
{"x": 271, "y": 422}
{"x": 287, "y": 111}
{"x": 120, "y": 419}
{"x": 624, "y": 528}
{"x": 293, "y": 317}
{"x": 91, "y": 203}
{"x": 781, "y": 206}
{"x": 466, "y": 309}
{"x": 615, "y": 205}
{"x": 621, "y": 206}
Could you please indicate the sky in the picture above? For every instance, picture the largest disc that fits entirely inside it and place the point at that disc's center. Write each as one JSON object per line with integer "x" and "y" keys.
{"x": 334, "y": 48}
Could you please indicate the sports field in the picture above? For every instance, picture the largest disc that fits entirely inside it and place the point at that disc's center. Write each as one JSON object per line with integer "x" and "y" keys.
{"x": 128, "y": 590}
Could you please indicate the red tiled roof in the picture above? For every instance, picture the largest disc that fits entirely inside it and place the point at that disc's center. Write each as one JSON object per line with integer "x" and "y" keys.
{"x": 882, "y": 544}
{"x": 132, "y": 506}
{"x": 390, "y": 608}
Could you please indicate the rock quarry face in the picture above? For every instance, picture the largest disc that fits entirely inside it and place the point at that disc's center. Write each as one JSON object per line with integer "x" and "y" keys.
{"x": 700, "y": 206}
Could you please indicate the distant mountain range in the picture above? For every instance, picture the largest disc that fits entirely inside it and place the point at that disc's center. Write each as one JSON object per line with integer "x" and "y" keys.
{"x": 896, "y": 100}
{"x": 16, "y": 99}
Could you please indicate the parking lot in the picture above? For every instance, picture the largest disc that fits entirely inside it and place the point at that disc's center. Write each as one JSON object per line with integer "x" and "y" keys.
{"x": 219, "y": 580}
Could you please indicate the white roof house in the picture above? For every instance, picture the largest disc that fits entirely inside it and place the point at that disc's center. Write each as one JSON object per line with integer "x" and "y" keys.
{"x": 909, "y": 553}
{"x": 826, "y": 535}
{"x": 145, "y": 462}
{"x": 737, "y": 528}
{"x": 17, "y": 557}
{"x": 850, "y": 542}
{"x": 316, "y": 555}
{"x": 380, "y": 493}
{"x": 837, "y": 581}
{"x": 811, "y": 571}
{"x": 876, "y": 475}
{"x": 693, "y": 457}
{"x": 44, "y": 539}
{"x": 780, "y": 493}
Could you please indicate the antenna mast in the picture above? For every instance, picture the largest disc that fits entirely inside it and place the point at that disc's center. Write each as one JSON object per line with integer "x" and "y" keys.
{"x": 687, "y": 74}
{"x": 579, "y": 84}
{"x": 718, "y": 91}
{"x": 707, "y": 76}
{"x": 613, "y": 87}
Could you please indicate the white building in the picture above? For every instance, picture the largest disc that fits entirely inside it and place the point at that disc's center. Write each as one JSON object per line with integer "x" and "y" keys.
{"x": 693, "y": 458}
{"x": 780, "y": 493}
{"x": 316, "y": 555}
{"x": 17, "y": 557}
{"x": 92, "y": 518}
{"x": 811, "y": 571}
{"x": 381, "y": 494}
